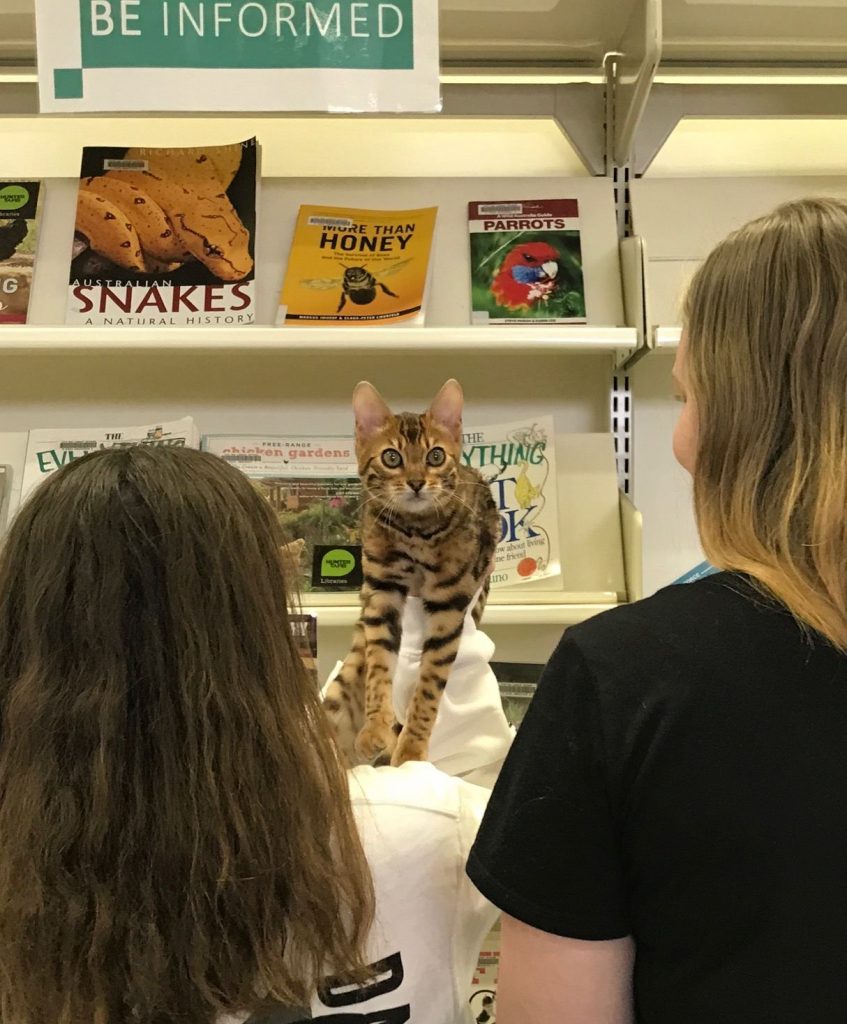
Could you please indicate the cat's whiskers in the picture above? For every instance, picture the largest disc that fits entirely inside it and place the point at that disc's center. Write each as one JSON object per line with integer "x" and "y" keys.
{"x": 474, "y": 512}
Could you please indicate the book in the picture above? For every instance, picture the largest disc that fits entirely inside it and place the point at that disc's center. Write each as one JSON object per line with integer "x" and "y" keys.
{"x": 313, "y": 487}
{"x": 365, "y": 267}
{"x": 518, "y": 461}
{"x": 49, "y": 449}
{"x": 5, "y": 494}
{"x": 304, "y": 628}
{"x": 20, "y": 212}
{"x": 526, "y": 262}
{"x": 165, "y": 237}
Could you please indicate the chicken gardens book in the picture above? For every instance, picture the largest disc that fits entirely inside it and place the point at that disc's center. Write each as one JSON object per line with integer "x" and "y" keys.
{"x": 357, "y": 267}
{"x": 49, "y": 449}
{"x": 20, "y": 210}
{"x": 518, "y": 461}
{"x": 312, "y": 484}
{"x": 526, "y": 262}
{"x": 165, "y": 237}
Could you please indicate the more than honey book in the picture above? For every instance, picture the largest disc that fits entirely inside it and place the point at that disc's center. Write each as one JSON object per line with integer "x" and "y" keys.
{"x": 165, "y": 237}
{"x": 357, "y": 267}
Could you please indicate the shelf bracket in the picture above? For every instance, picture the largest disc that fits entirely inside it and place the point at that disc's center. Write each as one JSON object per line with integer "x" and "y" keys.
{"x": 576, "y": 107}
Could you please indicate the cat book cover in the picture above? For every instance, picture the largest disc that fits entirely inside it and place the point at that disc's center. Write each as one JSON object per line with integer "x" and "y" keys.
{"x": 165, "y": 237}
{"x": 313, "y": 487}
{"x": 20, "y": 212}
{"x": 357, "y": 267}
{"x": 518, "y": 461}
{"x": 526, "y": 262}
{"x": 48, "y": 450}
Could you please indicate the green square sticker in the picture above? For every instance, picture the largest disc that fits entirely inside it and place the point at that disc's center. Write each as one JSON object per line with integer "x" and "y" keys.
{"x": 67, "y": 83}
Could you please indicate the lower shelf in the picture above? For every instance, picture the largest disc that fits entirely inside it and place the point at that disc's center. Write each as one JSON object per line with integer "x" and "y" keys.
{"x": 539, "y": 609}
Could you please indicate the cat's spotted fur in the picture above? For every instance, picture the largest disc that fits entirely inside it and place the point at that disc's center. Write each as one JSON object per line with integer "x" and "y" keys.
{"x": 429, "y": 530}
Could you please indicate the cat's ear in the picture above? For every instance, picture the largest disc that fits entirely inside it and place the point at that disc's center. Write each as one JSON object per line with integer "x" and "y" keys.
{"x": 446, "y": 409}
{"x": 370, "y": 411}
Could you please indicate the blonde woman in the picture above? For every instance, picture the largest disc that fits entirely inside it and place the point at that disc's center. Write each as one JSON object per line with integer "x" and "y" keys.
{"x": 178, "y": 842}
{"x": 668, "y": 838}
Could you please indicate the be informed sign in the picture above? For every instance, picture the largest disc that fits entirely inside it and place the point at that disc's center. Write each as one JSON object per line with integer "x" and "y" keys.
{"x": 336, "y": 55}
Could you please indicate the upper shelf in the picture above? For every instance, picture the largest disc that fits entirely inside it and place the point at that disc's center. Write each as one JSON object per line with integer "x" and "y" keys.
{"x": 32, "y": 338}
{"x": 566, "y": 31}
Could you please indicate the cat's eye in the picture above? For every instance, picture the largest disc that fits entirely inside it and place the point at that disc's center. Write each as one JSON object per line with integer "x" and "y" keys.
{"x": 392, "y": 458}
{"x": 435, "y": 457}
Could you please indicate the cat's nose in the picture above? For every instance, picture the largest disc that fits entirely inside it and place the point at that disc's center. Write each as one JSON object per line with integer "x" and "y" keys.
{"x": 416, "y": 485}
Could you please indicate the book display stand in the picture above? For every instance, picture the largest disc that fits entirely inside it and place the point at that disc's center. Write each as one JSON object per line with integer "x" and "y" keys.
{"x": 530, "y": 110}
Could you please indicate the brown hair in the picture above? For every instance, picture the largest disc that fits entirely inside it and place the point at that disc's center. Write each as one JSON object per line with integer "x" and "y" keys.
{"x": 766, "y": 328}
{"x": 176, "y": 837}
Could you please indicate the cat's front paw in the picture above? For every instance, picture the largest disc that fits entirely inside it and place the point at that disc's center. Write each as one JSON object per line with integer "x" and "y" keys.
{"x": 376, "y": 741}
{"x": 409, "y": 749}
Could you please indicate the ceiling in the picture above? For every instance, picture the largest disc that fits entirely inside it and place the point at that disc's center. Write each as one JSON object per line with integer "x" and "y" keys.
{"x": 582, "y": 31}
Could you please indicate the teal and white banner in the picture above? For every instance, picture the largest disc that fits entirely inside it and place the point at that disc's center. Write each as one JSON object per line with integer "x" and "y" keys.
{"x": 242, "y": 55}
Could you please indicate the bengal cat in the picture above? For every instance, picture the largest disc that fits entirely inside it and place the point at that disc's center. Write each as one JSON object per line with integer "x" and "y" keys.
{"x": 429, "y": 530}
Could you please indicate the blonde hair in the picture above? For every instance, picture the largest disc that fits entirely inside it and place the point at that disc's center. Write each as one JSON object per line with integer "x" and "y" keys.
{"x": 176, "y": 835}
{"x": 766, "y": 329}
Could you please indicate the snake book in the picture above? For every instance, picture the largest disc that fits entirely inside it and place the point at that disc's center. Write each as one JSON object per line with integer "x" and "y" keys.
{"x": 526, "y": 262}
{"x": 365, "y": 267}
{"x": 165, "y": 237}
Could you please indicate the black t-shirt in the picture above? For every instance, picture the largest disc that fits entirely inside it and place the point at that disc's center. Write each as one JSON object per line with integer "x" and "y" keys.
{"x": 681, "y": 777}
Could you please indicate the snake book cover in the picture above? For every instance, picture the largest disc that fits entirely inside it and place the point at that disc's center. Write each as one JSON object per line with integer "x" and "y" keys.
{"x": 165, "y": 237}
{"x": 349, "y": 267}
{"x": 526, "y": 262}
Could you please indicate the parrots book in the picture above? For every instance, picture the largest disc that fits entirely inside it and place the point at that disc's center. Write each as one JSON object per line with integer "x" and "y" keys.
{"x": 20, "y": 211}
{"x": 165, "y": 237}
{"x": 526, "y": 262}
{"x": 357, "y": 267}
{"x": 518, "y": 461}
{"x": 312, "y": 485}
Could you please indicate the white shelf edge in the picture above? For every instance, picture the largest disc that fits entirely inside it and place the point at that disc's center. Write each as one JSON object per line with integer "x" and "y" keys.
{"x": 31, "y": 338}
{"x": 666, "y": 337}
{"x": 496, "y": 614}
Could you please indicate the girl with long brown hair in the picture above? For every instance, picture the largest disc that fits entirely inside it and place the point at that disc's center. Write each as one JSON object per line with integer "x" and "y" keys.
{"x": 669, "y": 835}
{"x": 178, "y": 841}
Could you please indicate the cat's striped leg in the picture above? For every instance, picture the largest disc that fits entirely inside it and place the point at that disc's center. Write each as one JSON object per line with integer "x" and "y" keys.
{"x": 344, "y": 698}
{"x": 382, "y": 611}
{"x": 445, "y": 610}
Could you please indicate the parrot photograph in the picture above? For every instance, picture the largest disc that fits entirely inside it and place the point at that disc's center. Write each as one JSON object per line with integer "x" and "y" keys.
{"x": 527, "y": 275}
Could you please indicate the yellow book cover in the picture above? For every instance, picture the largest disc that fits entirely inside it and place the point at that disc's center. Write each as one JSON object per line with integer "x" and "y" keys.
{"x": 349, "y": 267}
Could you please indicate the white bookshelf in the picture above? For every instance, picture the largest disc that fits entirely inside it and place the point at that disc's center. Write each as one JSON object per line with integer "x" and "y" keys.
{"x": 499, "y": 611}
{"x": 266, "y": 379}
{"x": 589, "y": 340}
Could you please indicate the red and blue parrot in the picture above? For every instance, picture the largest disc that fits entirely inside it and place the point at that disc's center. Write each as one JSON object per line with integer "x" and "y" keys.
{"x": 526, "y": 276}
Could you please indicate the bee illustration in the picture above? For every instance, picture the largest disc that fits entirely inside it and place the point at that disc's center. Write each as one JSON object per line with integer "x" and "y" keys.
{"x": 358, "y": 284}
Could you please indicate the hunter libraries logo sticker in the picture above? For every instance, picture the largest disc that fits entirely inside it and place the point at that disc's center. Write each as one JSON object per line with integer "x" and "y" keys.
{"x": 337, "y": 567}
{"x": 239, "y": 35}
